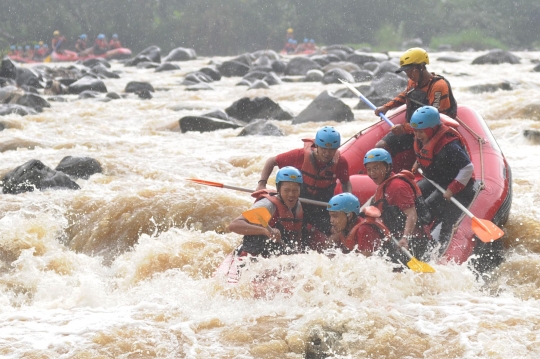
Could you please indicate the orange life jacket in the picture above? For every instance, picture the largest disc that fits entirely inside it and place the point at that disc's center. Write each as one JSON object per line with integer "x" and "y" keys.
{"x": 442, "y": 137}
{"x": 318, "y": 180}
{"x": 288, "y": 223}
{"x": 349, "y": 242}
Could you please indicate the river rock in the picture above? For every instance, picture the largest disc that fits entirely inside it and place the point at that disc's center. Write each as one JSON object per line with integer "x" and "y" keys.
{"x": 137, "y": 60}
{"x": 89, "y": 94}
{"x": 211, "y": 72}
{"x": 261, "y": 128}
{"x": 389, "y": 85}
{"x": 195, "y": 78}
{"x": 201, "y": 86}
{"x": 496, "y": 57}
{"x": 204, "y": 124}
{"x": 335, "y": 75}
{"x": 345, "y": 48}
{"x": 505, "y": 85}
{"x": 233, "y": 69}
{"x": 314, "y": 76}
{"x": 449, "y": 59}
{"x": 87, "y": 83}
{"x": 362, "y": 75}
{"x": 35, "y": 175}
{"x": 79, "y": 167}
{"x": 181, "y": 54}
{"x": 167, "y": 66}
{"x": 34, "y": 101}
{"x": 532, "y": 135}
{"x": 113, "y": 96}
{"x": 136, "y": 86}
{"x": 325, "y": 107}
{"x": 321, "y": 60}
{"x": 144, "y": 94}
{"x": 279, "y": 66}
{"x": 8, "y": 69}
{"x": 344, "y": 65}
{"x": 537, "y": 68}
{"x": 16, "y": 109}
{"x": 247, "y": 109}
{"x": 152, "y": 52}
{"x": 147, "y": 65}
{"x": 218, "y": 113}
{"x": 360, "y": 58}
{"x": 371, "y": 66}
{"x": 255, "y": 75}
{"x": 258, "y": 84}
{"x": 96, "y": 61}
{"x": 299, "y": 66}
{"x": 101, "y": 70}
{"x": 384, "y": 68}
{"x": 10, "y": 94}
{"x": 342, "y": 55}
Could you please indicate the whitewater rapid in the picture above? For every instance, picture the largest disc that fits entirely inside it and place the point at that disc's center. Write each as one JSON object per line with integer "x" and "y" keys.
{"x": 122, "y": 268}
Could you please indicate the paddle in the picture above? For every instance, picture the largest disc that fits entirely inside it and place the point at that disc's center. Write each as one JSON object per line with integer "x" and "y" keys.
{"x": 414, "y": 264}
{"x": 485, "y": 230}
{"x": 260, "y": 216}
{"x": 221, "y": 185}
{"x": 49, "y": 58}
{"x": 363, "y": 98}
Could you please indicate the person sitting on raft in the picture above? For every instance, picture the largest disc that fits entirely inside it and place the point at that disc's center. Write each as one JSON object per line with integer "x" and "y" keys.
{"x": 12, "y": 51}
{"x": 352, "y": 230}
{"x": 101, "y": 45}
{"x": 58, "y": 42}
{"x": 321, "y": 167}
{"x": 423, "y": 88}
{"x": 28, "y": 52}
{"x": 81, "y": 44}
{"x": 401, "y": 204}
{"x": 442, "y": 155}
{"x": 115, "y": 43}
{"x": 284, "y": 232}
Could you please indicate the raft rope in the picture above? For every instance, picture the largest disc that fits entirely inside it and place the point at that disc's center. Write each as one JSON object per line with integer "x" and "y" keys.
{"x": 481, "y": 142}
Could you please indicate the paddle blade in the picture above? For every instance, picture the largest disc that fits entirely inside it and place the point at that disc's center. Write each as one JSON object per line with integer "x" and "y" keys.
{"x": 258, "y": 216}
{"x": 47, "y": 59}
{"x": 485, "y": 230}
{"x": 207, "y": 183}
{"x": 419, "y": 267}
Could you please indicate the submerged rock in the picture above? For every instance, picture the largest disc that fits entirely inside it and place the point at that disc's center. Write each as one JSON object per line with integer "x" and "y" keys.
{"x": 496, "y": 57}
{"x": 79, "y": 167}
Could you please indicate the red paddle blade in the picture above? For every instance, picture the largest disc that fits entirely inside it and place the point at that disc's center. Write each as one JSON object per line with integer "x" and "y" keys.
{"x": 207, "y": 183}
{"x": 485, "y": 230}
{"x": 258, "y": 216}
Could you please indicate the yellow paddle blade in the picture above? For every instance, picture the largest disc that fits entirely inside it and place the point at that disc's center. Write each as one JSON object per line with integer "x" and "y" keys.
{"x": 47, "y": 59}
{"x": 485, "y": 230}
{"x": 419, "y": 267}
{"x": 258, "y": 216}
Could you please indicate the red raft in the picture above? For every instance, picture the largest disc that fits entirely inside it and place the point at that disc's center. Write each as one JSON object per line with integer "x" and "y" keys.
{"x": 493, "y": 182}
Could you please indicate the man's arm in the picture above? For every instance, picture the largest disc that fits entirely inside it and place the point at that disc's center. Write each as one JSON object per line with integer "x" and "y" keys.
{"x": 266, "y": 172}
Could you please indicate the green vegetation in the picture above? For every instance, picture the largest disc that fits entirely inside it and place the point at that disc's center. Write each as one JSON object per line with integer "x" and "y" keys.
{"x": 228, "y": 27}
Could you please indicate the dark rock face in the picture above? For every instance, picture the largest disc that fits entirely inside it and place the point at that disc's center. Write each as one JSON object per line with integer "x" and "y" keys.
{"x": 79, "y": 167}
{"x": 35, "y": 175}
{"x": 496, "y": 57}
{"x": 136, "y": 86}
{"x": 144, "y": 94}
{"x": 362, "y": 75}
{"x": 261, "y": 128}
{"x": 360, "y": 58}
{"x": 233, "y": 68}
{"x": 325, "y": 107}
{"x": 201, "y": 86}
{"x": 34, "y": 101}
{"x": 96, "y": 61}
{"x": 89, "y": 94}
{"x": 181, "y": 54}
{"x": 17, "y": 109}
{"x": 532, "y": 135}
{"x": 113, "y": 96}
{"x": 152, "y": 52}
{"x": 314, "y": 76}
{"x": 247, "y": 109}
{"x": 167, "y": 66}
{"x": 87, "y": 83}
{"x": 299, "y": 66}
{"x": 212, "y": 72}
{"x": 147, "y": 65}
{"x": 102, "y": 71}
{"x": 449, "y": 59}
{"x": 505, "y": 85}
{"x": 389, "y": 85}
{"x": 384, "y": 68}
{"x": 335, "y": 75}
{"x": 8, "y": 69}
{"x": 537, "y": 68}
{"x": 204, "y": 124}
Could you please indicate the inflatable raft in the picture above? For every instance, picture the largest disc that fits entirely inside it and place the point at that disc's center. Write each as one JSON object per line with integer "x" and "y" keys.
{"x": 493, "y": 182}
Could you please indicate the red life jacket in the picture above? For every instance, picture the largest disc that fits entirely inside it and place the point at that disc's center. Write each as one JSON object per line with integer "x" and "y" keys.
{"x": 445, "y": 135}
{"x": 405, "y": 175}
{"x": 102, "y": 44}
{"x": 115, "y": 44}
{"x": 317, "y": 180}
{"x": 288, "y": 223}
{"x": 350, "y": 241}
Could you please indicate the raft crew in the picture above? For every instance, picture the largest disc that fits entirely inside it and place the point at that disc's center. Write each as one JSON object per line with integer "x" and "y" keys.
{"x": 101, "y": 45}
{"x": 352, "y": 230}
{"x": 58, "y": 42}
{"x": 401, "y": 204}
{"x": 423, "y": 88}
{"x": 321, "y": 167}
{"x": 114, "y": 43}
{"x": 442, "y": 155}
{"x": 81, "y": 44}
{"x": 284, "y": 232}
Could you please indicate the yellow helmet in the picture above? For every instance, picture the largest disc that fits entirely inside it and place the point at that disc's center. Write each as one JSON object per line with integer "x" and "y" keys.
{"x": 56, "y": 33}
{"x": 289, "y": 30}
{"x": 41, "y": 43}
{"x": 414, "y": 56}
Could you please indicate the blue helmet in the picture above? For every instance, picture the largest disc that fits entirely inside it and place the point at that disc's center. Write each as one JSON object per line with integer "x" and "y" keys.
{"x": 115, "y": 36}
{"x": 311, "y": 40}
{"x": 344, "y": 202}
{"x": 425, "y": 117}
{"x": 101, "y": 36}
{"x": 377, "y": 155}
{"x": 13, "y": 47}
{"x": 36, "y": 46}
{"x": 82, "y": 37}
{"x": 289, "y": 174}
{"x": 306, "y": 40}
{"x": 27, "y": 47}
{"x": 328, "y": 137}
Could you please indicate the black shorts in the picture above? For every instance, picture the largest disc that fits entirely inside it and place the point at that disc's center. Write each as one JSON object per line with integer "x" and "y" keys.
{"x": 398, "y": 143}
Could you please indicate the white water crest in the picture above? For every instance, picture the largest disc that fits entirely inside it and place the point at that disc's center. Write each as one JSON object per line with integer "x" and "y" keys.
{"x": 123, "y": 267}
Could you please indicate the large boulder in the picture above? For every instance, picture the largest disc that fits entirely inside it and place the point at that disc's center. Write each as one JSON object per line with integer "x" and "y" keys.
{"x": 247, "y": 109}
{"x": 384, "y": 68}
{"x": 167, "y": 66}
{"x": 102, "y": 71}
{"x": 17, "y": 109}
{"x": 504, "y": 85}
{"x": 8, "y": 69}
{"x": 181, "y": 54}
{"x": 79, "y": 167}
{"x": 212, "y": 72}
{"x": 10, "y": 94}
{"x": 495, "y": 57}
{"x": 34, "y": 101}
{"x": 152, "y": 52}
{"x": 537, "y": 68}
{"x": 87, "y": 83}
{"x": 325, "y": 107}
{"x": 261, "y": 128}
{"x": 389, "y": 85}
{"x": 35, "y": 175}
{"x": 299, "y": 66}
{"x": 335, "y": 75}
{"x": 205, "y": 124}
{"x": 233, "y": 68}
{"x": 137, "y": 86}
{"x": 360, "y": 58}
{"x": 96, "y": 61}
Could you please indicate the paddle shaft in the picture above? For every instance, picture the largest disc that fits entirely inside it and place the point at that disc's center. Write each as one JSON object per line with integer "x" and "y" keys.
{"x": 367, "y": 102}
{"x": 403, "y": 248}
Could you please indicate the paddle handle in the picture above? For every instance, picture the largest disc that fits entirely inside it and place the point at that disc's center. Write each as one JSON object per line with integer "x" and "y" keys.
{"x": 367, "y": 102}
{"x": 303, "y": 200}
{"x": 403, "y": 248}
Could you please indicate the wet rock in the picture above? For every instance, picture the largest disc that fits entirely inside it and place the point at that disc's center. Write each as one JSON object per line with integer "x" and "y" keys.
{"x": 532, "y": 135}
{"x": 211, "y": 72}
{"x": 342, "y": 55}
{"x": 29, "y": 77}
{"x": 201, "y": 86}
{"x": 325, "y": 107}
{"x": 272, "y": 79}
{"x": 335, "y": 75}
{"x": 89, "y": 94}
{"x": 299, "y": 66}
{"x": 96, "y": 61}
{"x": 254, "y": 75}
{"x": 321, "y": 60}
{"x": 344, "y": 65}
{"x": 152, "y": 52}
{"x": 262, "y": 61}
{"x": 181, "y": 54}
{"x": 384, "y": 68}
{"x": 56, "y": 99}
{"x": 35, "y": 175}
{"x": 505, "y": 85}
{"x": 10, "y": 94}
{"x": 279, "y": 66}
{"x": 101, "y": 70}
{"x": 218, "y": 113}
{"x": 233, "y": 69}
{"x": 147, "y": 65}
{"x": 136, "y": 86}
{"x": 261, "y": 128}
{"x": 365, "y": 90}
{"x": 389, "y": 85}
{"x": 16, "y": 109}
{"x": 2, "y": 126}
{"x": 8, "y": 69}
{"x": 144, "y": 94}
{"x": 167, "y": 66}
{"x": 79, "y": 167}
{"x": 135, "y": 61}
{"x": 362, "y": 75}
{"x": 204, "y": 124}
{"x": 324, "y": 343}
{"x": 259, "y": 84}
{"x": 113, "y": 96}
{"x": 496, "y": 57}
{"x": 195, "y": 78}
{"x": 314, "y": 76}
{"x": 536, "y": 68}
{"x": 371, "y": 66}
{"x": 449, "y": 59}
{"x": 247, "y": 109}
{"x": 345, "y": 48}
{"x": 87, "y": 83}
{"x": 360, "y": 58}
{"x": 243, "y": 82}
{"x": 270, "y": 54}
